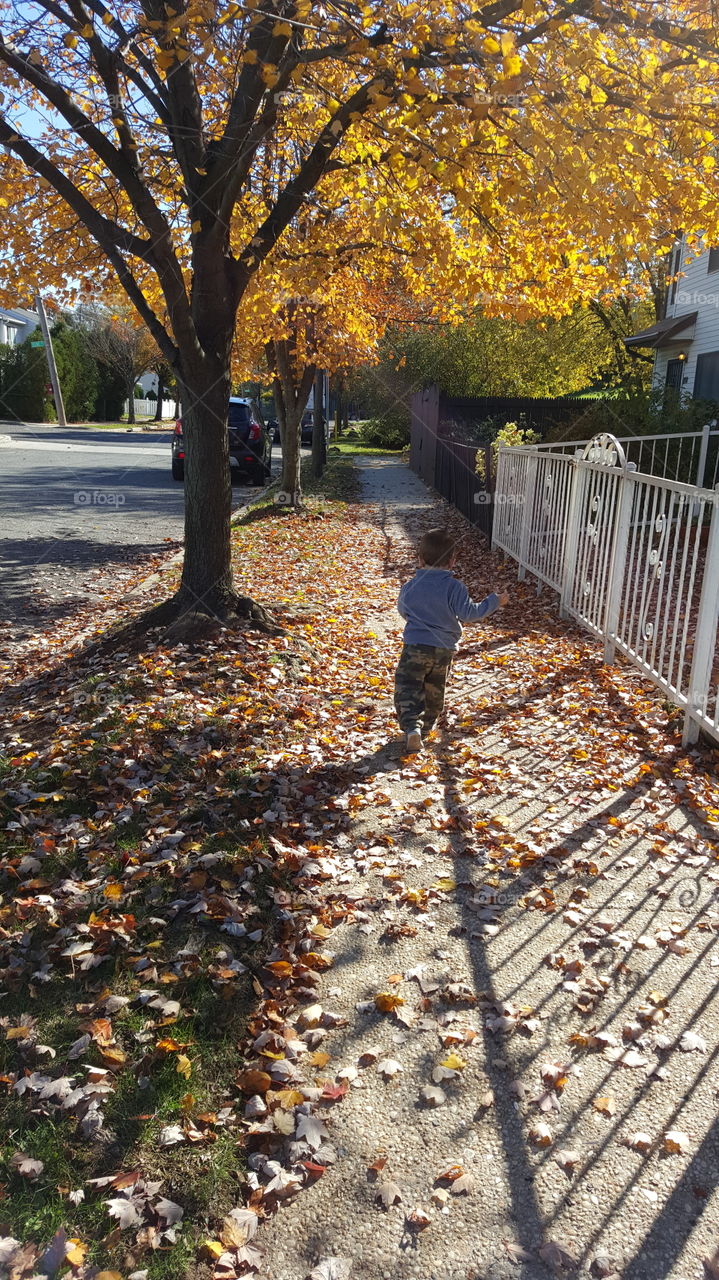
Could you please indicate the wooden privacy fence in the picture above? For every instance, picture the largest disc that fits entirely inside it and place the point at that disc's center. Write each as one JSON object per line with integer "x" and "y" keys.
{"x": 448, "y": 465}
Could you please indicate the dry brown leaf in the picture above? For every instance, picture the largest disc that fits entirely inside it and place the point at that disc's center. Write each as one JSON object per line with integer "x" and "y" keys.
{"x": 432, "y": 1096}
{"x": 555, "y": 1256}
{"x": 541, "y": 1134}
{"x": 606, "y": 1106}
{"x": 387, "y": 1001}
{"x": 516, "y": 1252}
{"x": 253, "y": 1081}
{"x": 389, "y": 1193}
{"x": 462, "y": 1186}
{"x": 675, "y": 1142}
{"x": 638, "y": 1141}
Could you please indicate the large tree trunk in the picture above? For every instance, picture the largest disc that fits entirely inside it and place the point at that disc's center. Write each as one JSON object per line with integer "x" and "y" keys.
{"x": 291, "y": 396}
{"x": 206, "y": 598}
{"x": 290, "y": 486}
{"x": 131, "y": 403}
{"x": 207, "y": 574}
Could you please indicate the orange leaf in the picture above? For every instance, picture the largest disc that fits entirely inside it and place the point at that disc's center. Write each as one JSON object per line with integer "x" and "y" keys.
{"x": 386, "y": 1002}
{"x": 252, "y": 1081}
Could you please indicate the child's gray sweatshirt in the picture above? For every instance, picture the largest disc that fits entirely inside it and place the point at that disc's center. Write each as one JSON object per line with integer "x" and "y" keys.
{"x": 435, "y": 604}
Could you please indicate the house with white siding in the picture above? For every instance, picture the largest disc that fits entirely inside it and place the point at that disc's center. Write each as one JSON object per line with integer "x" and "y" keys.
{"x": 16, "y": 325}
{"x": 686, "y": 340}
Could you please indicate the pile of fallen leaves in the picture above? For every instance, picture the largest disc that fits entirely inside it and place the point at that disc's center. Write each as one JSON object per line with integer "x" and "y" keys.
{"x": 165, "y": 814}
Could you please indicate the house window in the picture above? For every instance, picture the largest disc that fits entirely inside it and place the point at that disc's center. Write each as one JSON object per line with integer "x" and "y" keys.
{"x": 713, "y": 264}
{"x": 706, "y": 382}
{"x": 674, "y": 374}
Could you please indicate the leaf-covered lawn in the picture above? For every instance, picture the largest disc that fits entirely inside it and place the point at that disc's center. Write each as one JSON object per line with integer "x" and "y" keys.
{"x": 140, "y": 900}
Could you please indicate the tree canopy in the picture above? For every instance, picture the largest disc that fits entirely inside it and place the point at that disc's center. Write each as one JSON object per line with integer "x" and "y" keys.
{"x": 174, "y": 145}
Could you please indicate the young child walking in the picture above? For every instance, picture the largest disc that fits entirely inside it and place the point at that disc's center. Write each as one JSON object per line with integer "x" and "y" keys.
{"x": 434, "y": 605}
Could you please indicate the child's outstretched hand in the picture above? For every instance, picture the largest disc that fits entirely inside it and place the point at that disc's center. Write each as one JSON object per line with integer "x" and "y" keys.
{"x": 503, "y": 597}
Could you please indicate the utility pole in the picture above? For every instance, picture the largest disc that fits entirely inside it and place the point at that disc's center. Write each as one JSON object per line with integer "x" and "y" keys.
{"x": 50, "y": 356}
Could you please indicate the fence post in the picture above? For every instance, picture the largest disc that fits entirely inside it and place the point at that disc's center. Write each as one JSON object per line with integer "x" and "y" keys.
{"x": 529, "y": 492}
{"x": 572, "y": 539}
{"x": 703, "y": 450}
{"x": 705, "y": 634}
{"x": 618, "y": 564}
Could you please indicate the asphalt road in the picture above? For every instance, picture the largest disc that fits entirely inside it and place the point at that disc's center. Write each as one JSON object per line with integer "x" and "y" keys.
{"x": 81, "y": 510}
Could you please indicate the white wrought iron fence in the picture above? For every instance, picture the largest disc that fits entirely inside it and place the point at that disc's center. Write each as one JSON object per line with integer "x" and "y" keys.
{"x": 689, "y": 456}
{"x": 633, "y": 556}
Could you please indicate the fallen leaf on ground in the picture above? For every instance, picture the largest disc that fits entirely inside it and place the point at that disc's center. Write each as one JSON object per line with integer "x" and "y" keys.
{"x": 26, "y": 1167}
{"x": 606, "y": 1106}
{"x": 638, "y": 1141}
{"x": 331, "y": 1269}
{"x": 432, "y": 1096}
{"x": 389, "y": 1067}
{"x": 389, "y": 1193}
{"x": 387, "y": 1001}
{"x": 541, "y": 1135}
{"x": 674, "y": 1141}
{"x": 555, "y": 1256}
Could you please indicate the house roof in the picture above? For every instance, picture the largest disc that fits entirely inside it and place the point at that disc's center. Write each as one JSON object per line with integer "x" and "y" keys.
{"x": 664, "y": 331}
{"x": 18, "y": 313}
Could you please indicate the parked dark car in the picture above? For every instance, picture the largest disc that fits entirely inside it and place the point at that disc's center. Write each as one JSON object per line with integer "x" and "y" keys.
{"x": 250, "y": 444}
{"x": 306, "y": 426}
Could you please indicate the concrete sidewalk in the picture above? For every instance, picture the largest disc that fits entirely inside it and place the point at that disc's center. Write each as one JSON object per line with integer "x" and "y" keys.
{"x": 539, "y": 890}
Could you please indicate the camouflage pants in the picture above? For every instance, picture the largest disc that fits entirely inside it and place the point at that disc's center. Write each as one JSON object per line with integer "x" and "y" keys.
{"x": 419, "y": 684}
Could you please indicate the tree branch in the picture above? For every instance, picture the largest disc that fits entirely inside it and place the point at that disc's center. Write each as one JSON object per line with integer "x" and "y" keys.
{"x": 104, "y": 230}
{"x": 312, "y": 169}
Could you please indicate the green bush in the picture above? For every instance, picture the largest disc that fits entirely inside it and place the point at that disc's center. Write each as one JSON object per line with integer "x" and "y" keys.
{"x": 388, "y": 430}
{"x": 77, "y": 371}
{"x": 23, "y": 382}
{"x": 512, "y": 433}
{"x": 110, "y": 398}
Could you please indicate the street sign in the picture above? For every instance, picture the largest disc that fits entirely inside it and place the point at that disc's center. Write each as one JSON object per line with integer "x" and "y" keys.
{"x": 37, "y": 344}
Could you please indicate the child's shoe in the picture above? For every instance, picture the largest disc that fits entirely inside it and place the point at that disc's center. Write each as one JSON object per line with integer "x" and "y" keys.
{"x": 414, "y": 742}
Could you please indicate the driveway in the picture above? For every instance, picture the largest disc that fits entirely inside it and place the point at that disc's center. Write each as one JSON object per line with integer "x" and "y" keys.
{"x": 80, "y": 511}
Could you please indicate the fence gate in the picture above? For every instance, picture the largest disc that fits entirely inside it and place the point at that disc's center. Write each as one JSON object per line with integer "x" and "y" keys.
{"x": 594, "y": 533}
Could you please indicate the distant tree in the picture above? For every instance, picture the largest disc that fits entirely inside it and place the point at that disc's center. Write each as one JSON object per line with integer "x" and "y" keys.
{"x": 23, "y": 383}
{"x": 122, "y": 343}
{"x": 77, "y": 370}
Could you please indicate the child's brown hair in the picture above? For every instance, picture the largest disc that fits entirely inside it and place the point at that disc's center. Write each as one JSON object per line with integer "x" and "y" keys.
{"x": 436, "y": 548}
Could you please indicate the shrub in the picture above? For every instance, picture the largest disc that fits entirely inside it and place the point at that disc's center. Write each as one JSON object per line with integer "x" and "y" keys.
{"x": 110, "y": 398}
{"x": 77, "y": 372}
{"x": 23, "y": 380}
{"x": 512, "y": 433}
{"x": 389, "y": 430}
